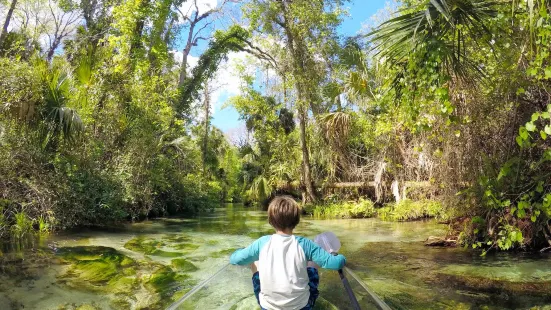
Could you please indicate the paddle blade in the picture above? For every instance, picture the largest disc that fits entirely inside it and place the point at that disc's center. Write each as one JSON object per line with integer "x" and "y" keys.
{"x": 328, "y": 241}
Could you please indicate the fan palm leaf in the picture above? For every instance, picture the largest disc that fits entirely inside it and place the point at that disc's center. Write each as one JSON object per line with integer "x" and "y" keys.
{"x": 58, "y": 117}
{"x": 261, "y": 188}
{"x": 439, "y": 25}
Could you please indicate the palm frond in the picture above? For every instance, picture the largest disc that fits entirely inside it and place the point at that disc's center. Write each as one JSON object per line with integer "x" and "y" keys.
{"x": 336, "y": 126}
{"x": 58, "y": 117}
{"x": 68, "y": 121}
{"x": 437, "y": 23}
{"x": 261, "y": 188}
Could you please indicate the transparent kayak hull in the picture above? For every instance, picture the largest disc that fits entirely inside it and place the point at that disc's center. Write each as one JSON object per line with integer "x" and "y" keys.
{"x": 231, "y": 288}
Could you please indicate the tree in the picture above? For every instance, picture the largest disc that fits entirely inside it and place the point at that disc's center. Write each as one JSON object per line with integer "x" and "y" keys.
{"x": 206, "y": 108}
{"x": 305, "y": 28}
{"x": 64, "y": 19}
{"x": 196, "y": 22}
{"x": 4, "y": 32}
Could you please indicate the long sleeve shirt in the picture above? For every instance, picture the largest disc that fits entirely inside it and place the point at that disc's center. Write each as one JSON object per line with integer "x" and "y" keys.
{"x": 282, "y": 262}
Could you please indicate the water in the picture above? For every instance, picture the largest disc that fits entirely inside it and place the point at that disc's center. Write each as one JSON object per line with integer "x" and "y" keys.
{"x": 151, "y": 264}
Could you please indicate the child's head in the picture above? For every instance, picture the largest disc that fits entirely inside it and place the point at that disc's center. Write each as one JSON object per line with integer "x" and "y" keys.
{"x": 283, "y": 213}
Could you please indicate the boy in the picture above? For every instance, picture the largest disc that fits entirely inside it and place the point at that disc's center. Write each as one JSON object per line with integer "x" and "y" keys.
{"x": 283, "y": 277}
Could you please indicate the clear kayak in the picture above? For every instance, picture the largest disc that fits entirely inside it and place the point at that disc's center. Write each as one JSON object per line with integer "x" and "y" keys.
{"x": 231, "y": 288}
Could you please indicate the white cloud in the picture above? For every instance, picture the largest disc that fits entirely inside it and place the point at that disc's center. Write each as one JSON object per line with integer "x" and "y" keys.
{"x": 191, "y": 60}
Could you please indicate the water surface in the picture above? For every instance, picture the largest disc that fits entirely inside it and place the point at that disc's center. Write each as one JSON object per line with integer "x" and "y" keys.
{"x": 151, "y": 264}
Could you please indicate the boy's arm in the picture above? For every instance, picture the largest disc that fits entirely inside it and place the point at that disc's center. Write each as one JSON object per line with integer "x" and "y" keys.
{"x": 249, "y": 254}
{"x": 319, "y": 256}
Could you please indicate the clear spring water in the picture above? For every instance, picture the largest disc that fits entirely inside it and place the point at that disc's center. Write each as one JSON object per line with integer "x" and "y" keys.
{"x": 151, "y": 264}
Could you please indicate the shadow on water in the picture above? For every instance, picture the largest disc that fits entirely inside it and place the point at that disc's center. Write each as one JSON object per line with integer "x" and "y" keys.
{"x": 149, "y": 265}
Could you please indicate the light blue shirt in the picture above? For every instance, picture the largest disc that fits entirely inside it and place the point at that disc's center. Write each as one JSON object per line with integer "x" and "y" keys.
{"x": 282, "y": 262}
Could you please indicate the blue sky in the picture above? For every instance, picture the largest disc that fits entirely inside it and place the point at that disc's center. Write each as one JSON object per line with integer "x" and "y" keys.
{"x": 360, "y": 11}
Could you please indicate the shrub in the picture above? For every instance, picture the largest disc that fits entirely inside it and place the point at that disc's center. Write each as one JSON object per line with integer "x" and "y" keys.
{"x": 409, "y": 210}
{"x": 351, "y": 209}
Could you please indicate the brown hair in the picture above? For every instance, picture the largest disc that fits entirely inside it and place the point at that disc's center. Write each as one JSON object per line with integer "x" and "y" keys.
{"x": 283, "y": 213}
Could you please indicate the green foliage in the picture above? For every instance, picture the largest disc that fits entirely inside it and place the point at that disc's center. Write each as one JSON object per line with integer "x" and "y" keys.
{"x": 94, "y": 137}
{"x": 430, "y": 39}
{"x": 234, "y": 39}
{"x": 351, "y": 209}
{"x": 22, "y": 227}
{"x": 271, "y": 164}
{"x": 409, "y": 210}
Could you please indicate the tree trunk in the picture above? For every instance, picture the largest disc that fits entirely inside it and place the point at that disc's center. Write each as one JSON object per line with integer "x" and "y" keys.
{"x": 136, "y": 41}
{"x": 207, "y": 121}
{"x": 185, "y": 54}
{"x": 306, "y": 173}
{"x": 4, "y": 33}
{"x": 51, "y": 51}
{"x": 298, "y": 49}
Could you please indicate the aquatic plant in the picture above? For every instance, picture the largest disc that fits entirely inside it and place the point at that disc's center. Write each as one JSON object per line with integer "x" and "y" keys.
{"x": 149, "y": 247}
{"x": 351, "y": 209}
{"x": 186, "y": 247}
{"x": 183, "y": 265}
{"x": 223, "y": 253}
{"x": 22, "y": 227}
{"x": 409, "y": 210}
{"x": 166, "y": 282}
{"x": 98, "y": 268}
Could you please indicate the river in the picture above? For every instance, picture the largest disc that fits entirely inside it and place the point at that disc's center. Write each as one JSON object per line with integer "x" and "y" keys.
{"x": 151, "y": 264}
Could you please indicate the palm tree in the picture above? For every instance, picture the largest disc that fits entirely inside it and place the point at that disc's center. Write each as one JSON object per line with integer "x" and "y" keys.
{"x": 436, "y": 26}
{"x": 57, "y": 118}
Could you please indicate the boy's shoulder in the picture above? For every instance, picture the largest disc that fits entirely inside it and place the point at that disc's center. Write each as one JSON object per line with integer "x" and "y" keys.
{"x": 303, "y": 240}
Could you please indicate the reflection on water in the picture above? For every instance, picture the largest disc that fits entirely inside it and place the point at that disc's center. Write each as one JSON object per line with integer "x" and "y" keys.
{"x": 149, "y": 265}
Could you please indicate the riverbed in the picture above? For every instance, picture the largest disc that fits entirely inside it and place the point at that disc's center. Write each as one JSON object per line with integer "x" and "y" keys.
{"x": 151, "y": 264}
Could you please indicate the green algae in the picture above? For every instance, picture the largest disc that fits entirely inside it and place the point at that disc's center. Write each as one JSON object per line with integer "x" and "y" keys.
{"x": 87, "y": 307}
{"x": 183, "y": 265}
{"x": 98, "y": 268}
{"x": 223, "y": 253}
{"x": 322, "y": 304}
{"x": 212, "y": 242}
{"x": 82, "y": 253}
{"x": 149, "y": 246}
{"x": 120, "y": 303}
{"x": 91, "y": 306}
{"x": 143, "y": 245}
{"x": 186, "y": 247}
{"x": 166, "y": 282}
{"x": 177, "y": 238}
{"x": 513, "y": 279}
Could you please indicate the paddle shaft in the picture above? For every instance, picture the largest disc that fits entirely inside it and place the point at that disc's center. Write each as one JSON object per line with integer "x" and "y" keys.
{"x": 349, "y": 291}
{"x": 180, "y": 301}
{"x": 380, "y": 303}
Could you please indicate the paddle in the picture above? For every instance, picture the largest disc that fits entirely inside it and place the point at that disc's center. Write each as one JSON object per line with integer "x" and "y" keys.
{"x": 329, "y": 242}
{"x": 180, "y": 301}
